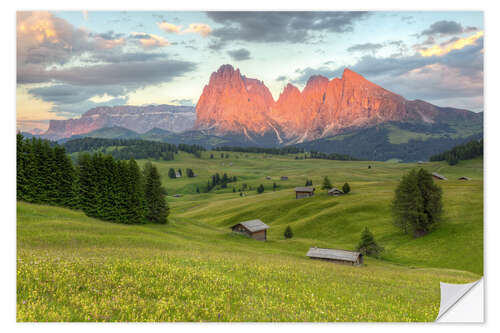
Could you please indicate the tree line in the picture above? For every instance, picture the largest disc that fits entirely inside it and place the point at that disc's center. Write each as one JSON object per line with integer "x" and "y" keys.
{"x": 464, "y": 151}
{"x": 331, "y": 156}
{"x": 131, "y": 148}
{"x": 99, "y": 185}
{"x": 270, "y": 151}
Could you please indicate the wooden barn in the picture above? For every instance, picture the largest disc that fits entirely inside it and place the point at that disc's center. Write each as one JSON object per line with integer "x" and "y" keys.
{"x": 335, "y": 191}
{"x": 284, "y": 178}
{"x": 336, "y": 256}
{"x": 255, "y": 229}
{"x": 438, "y": 176}
{"x": 464, "y": 178}
{"x": 304, "y": 192}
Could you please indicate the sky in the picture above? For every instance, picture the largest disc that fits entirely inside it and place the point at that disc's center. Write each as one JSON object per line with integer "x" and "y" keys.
{"x": 70, "y": 62}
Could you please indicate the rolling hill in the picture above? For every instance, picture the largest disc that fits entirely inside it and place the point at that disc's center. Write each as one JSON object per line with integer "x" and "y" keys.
{"x": 71, "y": 267}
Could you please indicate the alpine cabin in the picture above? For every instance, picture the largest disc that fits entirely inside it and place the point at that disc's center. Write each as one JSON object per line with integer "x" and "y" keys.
{"x": 438, "y": 176}
{"x": 255, "y": 229}
{"x": 335, "y": 192}
{"x": 304, "y": 192}
{"x": 336, "y": 256}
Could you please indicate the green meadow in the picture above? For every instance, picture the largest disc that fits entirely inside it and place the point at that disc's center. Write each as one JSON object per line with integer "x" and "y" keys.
{"x": 74, "y": 268}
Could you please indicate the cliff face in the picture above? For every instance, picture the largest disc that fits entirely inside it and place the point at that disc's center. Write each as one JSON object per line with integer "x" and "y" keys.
{"x": 232, "y": 103}
{"x": 140, "y": 119}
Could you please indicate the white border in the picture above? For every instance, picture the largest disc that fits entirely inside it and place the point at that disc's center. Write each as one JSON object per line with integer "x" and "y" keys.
{"x": 8, "y": 125}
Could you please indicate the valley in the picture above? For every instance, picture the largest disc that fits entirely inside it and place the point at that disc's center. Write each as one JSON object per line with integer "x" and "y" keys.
{"x": 162, "y": 273}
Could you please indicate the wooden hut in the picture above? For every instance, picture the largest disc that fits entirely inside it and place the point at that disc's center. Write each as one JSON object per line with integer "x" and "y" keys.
{"x": 464, "y": 178}
{"x": 304, "y": 192}
{"x": 335, "y": 191}
{"x": 268, "y": 178}
{"x": 284, "y": 178}
{"x": 438, "y": 176}
{"x": 255, "y": 229}
{"x": 336, "y": 256}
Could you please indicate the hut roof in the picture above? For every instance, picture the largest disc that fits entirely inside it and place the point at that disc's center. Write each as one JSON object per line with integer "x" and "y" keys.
{"x": 335, "y": 190}
{"x": 304, "y": 189}
{"x": 254, "y": 225}
{"x": 464, "y": 178}
{"x": 437, "y": 175}
{"x": 316, "y": 252}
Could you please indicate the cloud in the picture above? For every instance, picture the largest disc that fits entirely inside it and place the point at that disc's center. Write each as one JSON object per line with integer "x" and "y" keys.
{"x": 454, "y": 78}
{"x": 454, "y": 43}
{"x": 293, "y": 27}
{"x": 43, "y": 38}
{"x": 149, "y": 41}
{"x": 306, "y": 73}
{"x": 366, "y": 47}
{"x": 69, "y": 94}
{"x": 169, "y": 27}
{"x": 199, "y": 28}
{"x": 183, "y": 101}
{"x": 443, "y": 28}
{"x": 124, "y": 73}
{"x": 239, "y": 55}
{"x": 408, "y": 19}
{"x": 202, "y": 29}
{"x": 282, "y": 78}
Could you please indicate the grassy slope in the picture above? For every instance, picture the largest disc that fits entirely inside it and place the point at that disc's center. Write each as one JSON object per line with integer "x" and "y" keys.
{"x": 71, "y": 267}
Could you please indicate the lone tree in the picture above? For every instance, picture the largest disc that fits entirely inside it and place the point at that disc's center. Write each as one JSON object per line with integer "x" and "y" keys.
{"x": 156, "y": 206}
{"x": 417, "y": 206}
{"x": 260, "y": 189}
{"x": 171, "y": 173}
{"x": 346, "y": 188}
{"x": 309, "y": 182}
{"x": 367, "y": 244}
{"x": 288, "y": 232}
{"x": 327, "y": 184}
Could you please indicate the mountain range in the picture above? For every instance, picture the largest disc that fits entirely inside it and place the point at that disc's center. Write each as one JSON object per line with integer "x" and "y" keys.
{"x": 136, "y": 118}
{"x": 236, "y": 110}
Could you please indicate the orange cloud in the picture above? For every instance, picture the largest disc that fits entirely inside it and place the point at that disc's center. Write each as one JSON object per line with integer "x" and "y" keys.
{"x": 169, "y": 27}
{"x": 150, "y": 40}
{"x": 453, "y": 45}
{"x": 199, "y": 28}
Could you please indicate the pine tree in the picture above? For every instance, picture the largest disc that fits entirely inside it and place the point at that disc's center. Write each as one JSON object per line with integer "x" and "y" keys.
{"x": 346, "y": 188}
{"x": 87, "y": 188}
{"x": 135, "y": 203}
{"x": 288, "y": 232}
{"x": 417, "y": 204}
{"x": 157, "y": 209}
{"x": 260, "y": 189}
{"x": 274, "y": 186}
{"x": 21, "y": 167}
{"x": 171, "y": 173}
{"x": 327, "y": 185}
{"x": 367, "y": 244}
{"x": 64, "y": 177}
